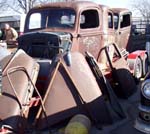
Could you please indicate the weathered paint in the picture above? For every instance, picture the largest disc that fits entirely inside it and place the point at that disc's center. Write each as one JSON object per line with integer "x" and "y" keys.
{"x": 122, "y": 34}
{"x": 88, "y": 39}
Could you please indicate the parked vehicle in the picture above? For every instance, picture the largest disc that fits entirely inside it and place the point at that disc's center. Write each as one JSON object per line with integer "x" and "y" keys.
{"x": 91, "y": 27}
{"x": 138, "y": 59}
{"x": 144, "y": 113}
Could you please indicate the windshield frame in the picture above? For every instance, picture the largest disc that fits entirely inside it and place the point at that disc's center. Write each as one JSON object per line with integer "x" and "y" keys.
{"x": 46, "y": 20}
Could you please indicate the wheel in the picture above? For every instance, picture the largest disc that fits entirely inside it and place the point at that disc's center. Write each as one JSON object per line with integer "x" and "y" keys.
{"x": 126, "y": 85}
{"x": 138, "y": 68}
{"x": 145, "y": 65}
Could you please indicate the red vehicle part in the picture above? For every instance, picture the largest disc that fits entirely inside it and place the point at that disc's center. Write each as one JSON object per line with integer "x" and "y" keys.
{"x": 138, "y": 63}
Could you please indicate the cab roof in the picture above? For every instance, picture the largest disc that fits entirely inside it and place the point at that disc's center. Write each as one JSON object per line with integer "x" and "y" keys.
{"x": 71, "y": 4}
{"x": 119, "y": 10}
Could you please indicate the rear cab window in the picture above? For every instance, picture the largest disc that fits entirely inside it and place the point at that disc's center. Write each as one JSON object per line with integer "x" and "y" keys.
{"x": 125, "y": 20}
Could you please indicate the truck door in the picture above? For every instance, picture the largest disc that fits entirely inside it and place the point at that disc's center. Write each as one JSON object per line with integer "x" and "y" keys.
{"x": 89, "y": 35}
{"x": 123, "y": 28}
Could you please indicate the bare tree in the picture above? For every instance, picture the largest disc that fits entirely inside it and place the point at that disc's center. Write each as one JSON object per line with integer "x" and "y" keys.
{"x": 22, "y": 6}
{"x": 142, "y": 6}
{"x": 2, "y": 2}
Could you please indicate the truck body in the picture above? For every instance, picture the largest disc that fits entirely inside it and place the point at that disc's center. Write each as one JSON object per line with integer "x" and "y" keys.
{"x": 88, "y": 24}
{"x": 91, "y": 27}
{"x": 137, "y": 59}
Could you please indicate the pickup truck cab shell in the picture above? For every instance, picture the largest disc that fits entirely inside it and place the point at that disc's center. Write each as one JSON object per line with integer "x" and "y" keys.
{"x": 89, "y": 26}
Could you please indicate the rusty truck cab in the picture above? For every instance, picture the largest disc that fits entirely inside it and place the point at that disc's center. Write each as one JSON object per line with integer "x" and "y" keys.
{"x": 89, "y": 24}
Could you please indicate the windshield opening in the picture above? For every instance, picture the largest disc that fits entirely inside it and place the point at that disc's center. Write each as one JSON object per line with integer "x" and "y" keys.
{"x": 52, "y": 18}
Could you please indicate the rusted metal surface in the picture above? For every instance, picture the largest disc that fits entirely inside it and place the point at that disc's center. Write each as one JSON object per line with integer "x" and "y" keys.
{"x": 83, "y": 77}
{"x": 77, "y": 5}
{"x": 119, "y": 10}
{"x": 83, "y": 39}
{"x": 17, "y": 90}
{"x": 69, "y": 90}
{"x": 77, "y": 87}
{"x": 122, "y": 31}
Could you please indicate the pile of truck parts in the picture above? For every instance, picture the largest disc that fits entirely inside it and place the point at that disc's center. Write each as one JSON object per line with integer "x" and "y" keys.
{"x": 61, "y": 95}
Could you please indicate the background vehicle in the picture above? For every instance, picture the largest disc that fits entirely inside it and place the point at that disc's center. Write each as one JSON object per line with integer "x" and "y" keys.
{"x": 137, "y": 59}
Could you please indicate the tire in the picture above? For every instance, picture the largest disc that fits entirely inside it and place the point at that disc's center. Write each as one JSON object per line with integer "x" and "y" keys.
{"x": 138, "y": 69}
{"x": 126, "y": 85}
{"x": 145, "y": 65}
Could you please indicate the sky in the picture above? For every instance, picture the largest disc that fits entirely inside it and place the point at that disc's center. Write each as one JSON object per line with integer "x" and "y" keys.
{"x": 114, "y": 3}
{"x": 118, "y": 3}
